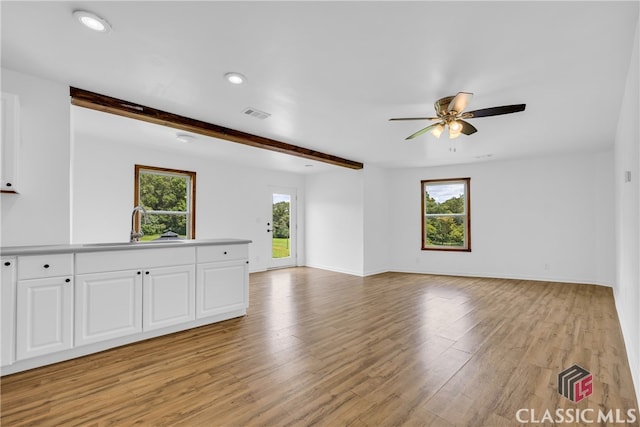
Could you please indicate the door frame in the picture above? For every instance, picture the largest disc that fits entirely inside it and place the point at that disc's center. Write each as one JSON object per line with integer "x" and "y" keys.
{"x": 292, "y": 260}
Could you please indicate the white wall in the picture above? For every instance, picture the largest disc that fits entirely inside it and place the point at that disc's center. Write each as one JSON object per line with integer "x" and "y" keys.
{"x": 232, "y": 201}
{"x": 534, "y": 219}
{"x": 543, "y": 219}
{"x": 40, "y": 213}
{"x": 334, "y": 223}
{"x": 627, "y": 216}
{"x": 376, "y": 221}
{"x": 347, "y": 224}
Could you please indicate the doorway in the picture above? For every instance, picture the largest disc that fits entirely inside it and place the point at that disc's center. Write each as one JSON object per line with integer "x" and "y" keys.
{"x": 282, "y": 226}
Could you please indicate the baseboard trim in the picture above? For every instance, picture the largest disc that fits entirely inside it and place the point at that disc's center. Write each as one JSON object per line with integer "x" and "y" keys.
{"x": 487, "y": 275}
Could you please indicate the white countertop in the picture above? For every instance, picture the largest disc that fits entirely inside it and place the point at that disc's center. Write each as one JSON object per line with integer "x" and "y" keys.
{"x": 114, "y": 246}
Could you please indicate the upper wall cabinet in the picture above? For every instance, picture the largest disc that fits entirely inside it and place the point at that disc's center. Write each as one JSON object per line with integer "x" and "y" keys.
{"x": 10, "y": 143}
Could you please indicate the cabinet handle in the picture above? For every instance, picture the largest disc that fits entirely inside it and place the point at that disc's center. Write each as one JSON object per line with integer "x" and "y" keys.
{"x": 7, "y": 263}
{"x": 225, "y": 252}
{"x": 67, "y": 280}
{"x": 146, "y": 272}
{"x": 139, "y": 272}
{"x": 8, "y": 184}
{"x": 46, "y": 266}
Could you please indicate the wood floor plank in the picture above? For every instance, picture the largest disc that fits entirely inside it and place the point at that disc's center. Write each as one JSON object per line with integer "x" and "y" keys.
{"x": 329, "y": 349}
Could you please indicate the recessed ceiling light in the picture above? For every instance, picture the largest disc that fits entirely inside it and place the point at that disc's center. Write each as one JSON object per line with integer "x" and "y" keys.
{"x": 235, "y": 78}
{"x": 92, "y": 21}
{"x": 183, "y": 137}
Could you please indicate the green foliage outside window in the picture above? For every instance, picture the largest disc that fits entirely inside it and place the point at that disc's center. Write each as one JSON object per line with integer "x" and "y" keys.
{"x": 159, "y": 224}
{"x": 165, "y": 197}
{"x": 444, "y": 230}
{"x": 281, "y": 219}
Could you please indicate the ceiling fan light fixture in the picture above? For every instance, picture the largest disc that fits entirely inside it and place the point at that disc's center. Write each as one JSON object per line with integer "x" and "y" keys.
{"x": 92, "y": 21}
{"x": 453, "y": 133}
{"x": 455, "y": 126}
{"x": 437, "y": 131}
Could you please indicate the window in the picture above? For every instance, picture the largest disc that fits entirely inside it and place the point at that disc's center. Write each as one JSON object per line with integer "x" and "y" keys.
{"x": 169, "y": 197}
{"x": 445, "y": 215}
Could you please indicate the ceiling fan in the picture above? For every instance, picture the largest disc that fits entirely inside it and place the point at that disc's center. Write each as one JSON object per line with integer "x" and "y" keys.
{"x": 450, "y": 114}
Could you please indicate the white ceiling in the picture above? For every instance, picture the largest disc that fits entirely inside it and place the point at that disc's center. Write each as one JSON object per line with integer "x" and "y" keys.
{"x": 331, "y": 74}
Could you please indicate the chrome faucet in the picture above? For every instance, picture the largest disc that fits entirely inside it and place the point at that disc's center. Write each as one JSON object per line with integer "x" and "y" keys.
{"x": 135, "y": 237}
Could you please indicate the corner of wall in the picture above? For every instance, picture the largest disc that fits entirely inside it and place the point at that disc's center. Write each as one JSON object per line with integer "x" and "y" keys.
{"x": 627, "y": 214}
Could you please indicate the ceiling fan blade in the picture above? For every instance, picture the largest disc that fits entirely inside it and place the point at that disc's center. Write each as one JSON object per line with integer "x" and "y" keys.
{"x": 459, "y": 102}
{"x": 495, "y": 111}
{"x": 416, "y": 118}
{"x": 467, "y": 128}
{"x": 421, "y": 131}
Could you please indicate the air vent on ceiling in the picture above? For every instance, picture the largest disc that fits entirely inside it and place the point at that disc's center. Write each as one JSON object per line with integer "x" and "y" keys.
{"x": 253, "y": 112}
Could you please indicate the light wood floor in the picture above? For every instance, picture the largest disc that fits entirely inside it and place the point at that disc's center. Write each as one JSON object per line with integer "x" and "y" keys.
{"x": 322, "y": 348}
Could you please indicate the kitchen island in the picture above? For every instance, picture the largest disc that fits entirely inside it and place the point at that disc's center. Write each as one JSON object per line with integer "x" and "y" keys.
{"x": 59, "y": 302}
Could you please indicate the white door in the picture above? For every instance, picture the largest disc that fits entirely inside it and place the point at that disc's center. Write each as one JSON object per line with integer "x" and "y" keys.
{"x": 44, "y": 316}
{"x": 169, "y": 296}
{"x": 108, "y": 305}
{"x": 221, "y": 287}
{"x": 282, "y": 227}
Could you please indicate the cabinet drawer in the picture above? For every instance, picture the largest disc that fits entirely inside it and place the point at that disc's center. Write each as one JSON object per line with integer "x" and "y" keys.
{"x": 216, "y": 253}
{"x": 42, "y": 266}
{"x": 96, "y": 262}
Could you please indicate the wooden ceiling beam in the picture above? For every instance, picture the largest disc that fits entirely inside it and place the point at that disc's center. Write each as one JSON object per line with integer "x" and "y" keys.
{"x": 107, "y": 104}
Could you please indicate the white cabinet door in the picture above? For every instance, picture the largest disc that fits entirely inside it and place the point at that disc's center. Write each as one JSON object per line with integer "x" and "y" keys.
{"x": 7, "y": 308}
{"x": 221, "y": 287}
{"x": 10, "y": 129}
{"x": 44, "y": 316}
{"x": 169, "y": 296}
{"x": 108, "y": 305}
